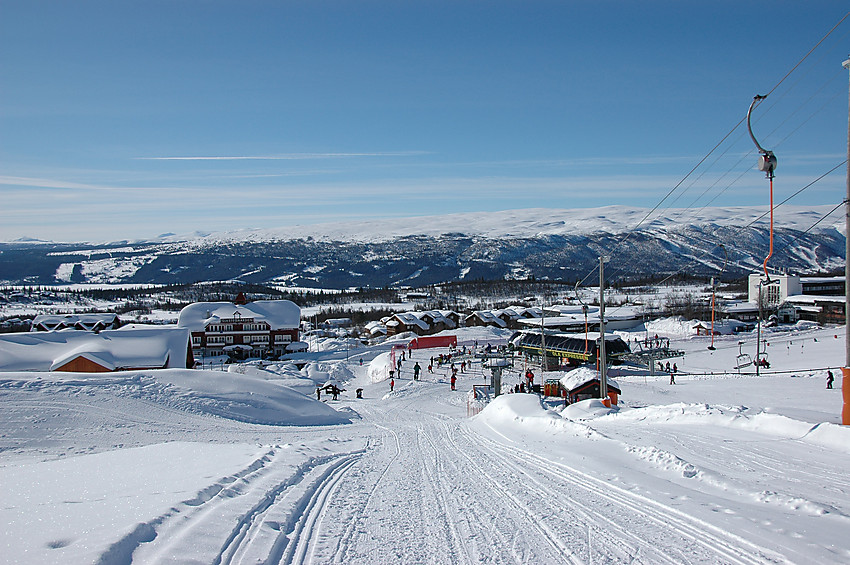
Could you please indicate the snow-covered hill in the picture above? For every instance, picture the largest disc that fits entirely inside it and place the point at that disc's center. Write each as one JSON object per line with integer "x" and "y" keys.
{"x": 545, "y": 244}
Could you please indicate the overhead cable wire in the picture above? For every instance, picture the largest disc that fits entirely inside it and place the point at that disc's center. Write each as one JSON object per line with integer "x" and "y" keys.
{"x": 633, "y": 230}
{"x": 697, "y": 259}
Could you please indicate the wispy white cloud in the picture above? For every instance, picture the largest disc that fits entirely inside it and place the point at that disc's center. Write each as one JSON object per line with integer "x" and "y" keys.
{"x": 46, "y": 183}
{"x": 283, "y": 157}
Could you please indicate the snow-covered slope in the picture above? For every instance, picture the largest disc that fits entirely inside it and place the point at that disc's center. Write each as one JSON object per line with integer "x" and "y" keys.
{"x": 174, "y": 468}
{"x": 518, "y": 244}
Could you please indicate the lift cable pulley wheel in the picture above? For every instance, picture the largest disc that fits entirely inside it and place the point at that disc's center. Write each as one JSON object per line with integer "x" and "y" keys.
{"x": 767, "y": 164}
{"x": 767, "y": 160}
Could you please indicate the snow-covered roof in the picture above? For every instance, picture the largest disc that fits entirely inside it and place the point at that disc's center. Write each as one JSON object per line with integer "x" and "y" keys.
{"x": 86, "y": 320}
{"x": 438, "y": 317}
{"x": 567, "y": 309}
{"x": 741, "y": 307}
{"x": 557, "y": 321}
{"x": 813, "y": 299}
{"x": 580, "y": 376}
{"x": 412, "y": 319}
{"x": 155, "y": 347}
{"x": 507, "y": 313}
{"x": 488, "y": 317}
{"x": 279, "y": 314}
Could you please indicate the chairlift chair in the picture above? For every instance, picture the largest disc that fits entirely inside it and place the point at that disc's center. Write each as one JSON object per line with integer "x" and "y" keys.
{"x": 743, "y": 360}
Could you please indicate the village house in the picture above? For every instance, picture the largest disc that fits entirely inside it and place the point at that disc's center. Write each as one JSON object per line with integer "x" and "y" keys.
{"x": 125, "y": 349}
{"x": 377, "y": 328}
{"x": 440, "y": 320}
{"x": 484, "y": 318}
{"x": 407, "y": 322}
{"x": 93, "y": 322}
{"x": 420, "y": 323}
{"x": 821, "y": 309}
{"x": 264, "y": 328}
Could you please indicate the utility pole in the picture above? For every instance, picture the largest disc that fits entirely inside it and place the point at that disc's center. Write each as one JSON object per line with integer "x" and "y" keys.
{"x": 603, "y": 368}
{"x": 544, "y": 366}
{"x": 758, "y": 333}
{"x": 845, "y": 370}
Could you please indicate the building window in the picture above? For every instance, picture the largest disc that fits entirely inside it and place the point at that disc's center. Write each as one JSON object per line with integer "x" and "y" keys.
{"x": 773, "y": 294}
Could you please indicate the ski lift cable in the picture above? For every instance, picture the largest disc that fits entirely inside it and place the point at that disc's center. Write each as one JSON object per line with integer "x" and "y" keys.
{"x": 741, "y": 266}
{"x": 737, "y": 263}
{"x": 743, "y": 157}
{"x": 833, "y": 169}
{"x": 776, "y": 86}
{"x": 808, "y": 119}
{"x": 713, "y": 149}
{"x": 633, "y": 230}
{"x": 806, "y": 56}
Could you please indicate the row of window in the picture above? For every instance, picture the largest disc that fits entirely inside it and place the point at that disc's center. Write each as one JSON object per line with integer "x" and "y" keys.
{"x": 218, "y": 328}
{"x": 228, "y": 339}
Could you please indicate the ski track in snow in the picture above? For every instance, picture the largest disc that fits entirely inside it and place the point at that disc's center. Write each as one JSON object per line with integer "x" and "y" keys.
{"x": 621, "y": 517}
{"x": 428, "y": 489}
{"x": 414, "y": 481}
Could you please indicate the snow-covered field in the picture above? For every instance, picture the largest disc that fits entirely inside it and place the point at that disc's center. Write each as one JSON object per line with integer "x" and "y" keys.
{"x": 247, "y": 467}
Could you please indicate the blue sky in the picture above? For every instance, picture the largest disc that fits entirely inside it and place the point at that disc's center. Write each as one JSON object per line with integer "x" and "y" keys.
{"x": 123, "y": 120}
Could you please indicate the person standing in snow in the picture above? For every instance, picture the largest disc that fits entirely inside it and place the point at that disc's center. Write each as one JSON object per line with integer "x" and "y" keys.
{"x": 829, "y": 379}
{"x": 392, "y": 383}
{"x": 416, "y": 369}
{"x": 454, "y": 379}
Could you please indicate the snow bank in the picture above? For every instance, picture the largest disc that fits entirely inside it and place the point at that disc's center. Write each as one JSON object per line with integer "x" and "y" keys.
{"x": 73, "y": 510}
{"x": 525, "y": 412}
{"x": 379, "y": 368}
{"x": 234, "y": 396}
{"x": 587, "y": 409}
{"x": 824, "y": 434}
{"x": 675, "y": 327}
{"x": 246, "y": 398}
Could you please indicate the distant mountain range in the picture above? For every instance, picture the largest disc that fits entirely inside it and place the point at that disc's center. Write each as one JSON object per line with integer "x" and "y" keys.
{"x": 518, "y": 244}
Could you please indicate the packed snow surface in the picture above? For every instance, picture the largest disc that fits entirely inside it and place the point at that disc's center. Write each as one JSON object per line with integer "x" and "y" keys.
{"x": 248, "y": 466}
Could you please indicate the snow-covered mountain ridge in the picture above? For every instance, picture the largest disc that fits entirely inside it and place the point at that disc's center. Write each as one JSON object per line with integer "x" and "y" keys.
{"x": 518, "y": 244}
{"x": 530, "y": 222}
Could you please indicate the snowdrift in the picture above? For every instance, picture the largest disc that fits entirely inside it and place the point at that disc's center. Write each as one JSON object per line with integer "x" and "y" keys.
{"x": 244, "y": 398}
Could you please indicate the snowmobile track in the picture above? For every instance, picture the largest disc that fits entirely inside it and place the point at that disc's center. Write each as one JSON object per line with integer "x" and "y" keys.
{"x": 724, "y": 545}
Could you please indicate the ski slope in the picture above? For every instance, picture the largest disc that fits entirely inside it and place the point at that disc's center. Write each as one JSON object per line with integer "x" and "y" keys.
{"x": 718, "y": 468}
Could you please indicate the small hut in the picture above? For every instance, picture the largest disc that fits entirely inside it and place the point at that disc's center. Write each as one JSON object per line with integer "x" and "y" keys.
{"x": 583, "y": 383}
